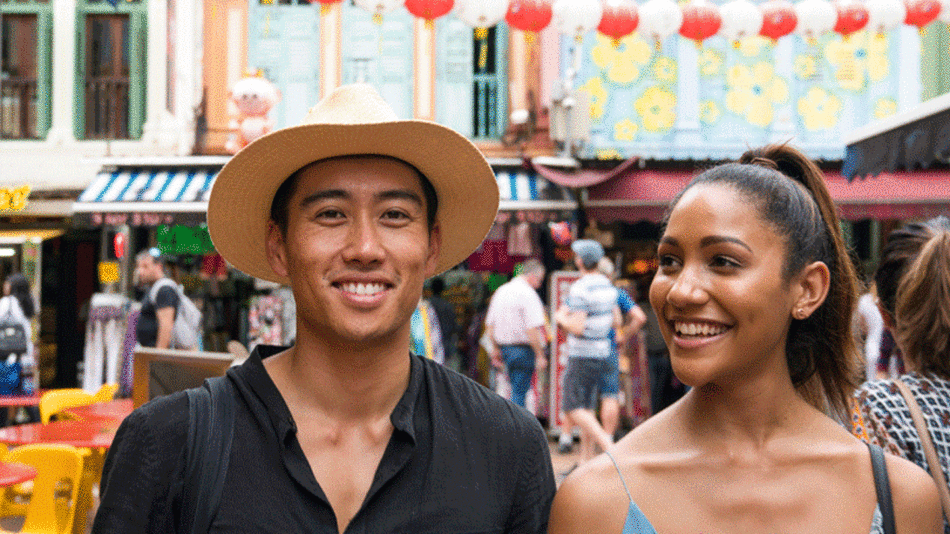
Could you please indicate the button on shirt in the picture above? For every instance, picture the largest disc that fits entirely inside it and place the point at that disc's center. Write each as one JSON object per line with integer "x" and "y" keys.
{"x": 460, "y": 460}
{"x": 594, "y": 295}
{"x": 515, "y": 307}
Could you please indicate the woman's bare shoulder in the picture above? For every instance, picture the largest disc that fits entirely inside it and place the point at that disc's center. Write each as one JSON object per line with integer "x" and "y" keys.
{"x": 917, "y": 507}
{"x": 591, "y": 499}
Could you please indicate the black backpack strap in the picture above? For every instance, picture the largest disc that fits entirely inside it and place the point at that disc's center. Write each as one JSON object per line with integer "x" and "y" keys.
{"x": 207, "y": 452}
{"x": 882, "y": 486}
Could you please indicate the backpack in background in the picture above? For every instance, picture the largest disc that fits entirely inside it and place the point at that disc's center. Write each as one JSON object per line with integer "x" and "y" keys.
{"x": 13, "y": 337}
{"x": 187, "y": 327}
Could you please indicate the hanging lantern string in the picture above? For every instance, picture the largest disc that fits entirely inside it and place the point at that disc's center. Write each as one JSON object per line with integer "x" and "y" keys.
{"x": 482, "y": 35}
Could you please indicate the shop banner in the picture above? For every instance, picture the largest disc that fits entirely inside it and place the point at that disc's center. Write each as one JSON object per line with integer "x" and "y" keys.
{"x": 557, "y": 296}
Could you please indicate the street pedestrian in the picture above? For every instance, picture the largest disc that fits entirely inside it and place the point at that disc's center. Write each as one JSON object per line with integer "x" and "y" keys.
{"x": 157, "y": 313}
{"x": 515, "y": 325}
{"x": 346, "y": 431}
{"x": 754, "y": 294}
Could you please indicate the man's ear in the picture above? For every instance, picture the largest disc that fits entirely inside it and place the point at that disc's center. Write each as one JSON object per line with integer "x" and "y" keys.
{"x": 435, "y": 249}
{"x": 813, "y": 284}
{"x": 276, "y": 249}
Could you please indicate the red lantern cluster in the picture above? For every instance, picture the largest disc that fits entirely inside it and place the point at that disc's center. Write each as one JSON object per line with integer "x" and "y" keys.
{"x": 852, "y": 17}
{"x": 778, "y": 19}
{"x": 700, "y": 21}
{"x": 429, "y": 9}
{"x": 921, "y": 12}
{"x": 619, "y": 20}
{"x": 529, "y": 15}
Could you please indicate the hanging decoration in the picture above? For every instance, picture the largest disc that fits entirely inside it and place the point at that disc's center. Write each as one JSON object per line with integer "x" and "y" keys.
{"x": 529, "y": 16}
{"x": 659, "y": 19}
{"x": 325, "y": 5}
{"x": 778, "y": 19}
{"x": 815, "y": 17}
{"x": 576, "y": 17}
{"x": 885, "y": 15}
{"x": 378, "y": 7}
{"x": 740, "y": 19}
{"x": 701, "y": 20}
{"x": 922, "y": 12}
{"x": 619, "y": 20}
{"x": 481, "y": 15}
{"x": 852, "y": 16}
{"x": 429, "y": 9}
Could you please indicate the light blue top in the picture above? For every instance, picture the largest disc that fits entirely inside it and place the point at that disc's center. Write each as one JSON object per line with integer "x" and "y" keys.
{"x": 637, "y": 523}
{"x": 594, "y": 295}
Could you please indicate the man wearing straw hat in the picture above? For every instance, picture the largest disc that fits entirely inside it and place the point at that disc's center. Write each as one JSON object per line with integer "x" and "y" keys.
{"x": 346, "y": 431}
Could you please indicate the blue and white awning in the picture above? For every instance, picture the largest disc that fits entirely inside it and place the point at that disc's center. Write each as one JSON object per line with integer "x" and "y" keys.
{"x": 176, "y": 190}
{"x": 525, "y": 190}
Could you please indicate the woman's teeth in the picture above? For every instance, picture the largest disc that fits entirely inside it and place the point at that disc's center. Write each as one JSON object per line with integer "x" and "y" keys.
{"x": 698, "y": 329}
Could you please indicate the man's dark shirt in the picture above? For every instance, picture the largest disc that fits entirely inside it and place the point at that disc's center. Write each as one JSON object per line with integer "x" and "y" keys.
{"x": 146, "y": 330}
{"x": 461, "y": 460}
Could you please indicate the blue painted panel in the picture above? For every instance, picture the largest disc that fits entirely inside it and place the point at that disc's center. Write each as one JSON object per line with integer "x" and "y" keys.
{"x": 454, "y": 74}
{"x": 284, "y": 43}
{"x": 380, "y": 54}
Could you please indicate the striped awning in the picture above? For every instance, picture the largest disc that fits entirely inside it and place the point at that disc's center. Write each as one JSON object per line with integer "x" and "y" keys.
{"x": 146, "y": 190}
{"x": 526, "y": 190}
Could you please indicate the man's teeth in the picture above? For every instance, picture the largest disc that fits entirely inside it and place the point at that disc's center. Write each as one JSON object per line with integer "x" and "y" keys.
{"x": 698, "y": 329}
{"x": 363, "y": 289}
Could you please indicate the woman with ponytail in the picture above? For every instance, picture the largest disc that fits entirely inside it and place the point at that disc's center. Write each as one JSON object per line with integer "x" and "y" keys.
{"x": 913, "y": 286}
{"x": 754, "y": 295}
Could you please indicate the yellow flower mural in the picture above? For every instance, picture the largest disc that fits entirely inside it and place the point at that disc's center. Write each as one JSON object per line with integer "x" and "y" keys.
{"x": 622, "y": 64}
{"x": 664, "y": 70}
{"x": 625, "y": 130}
{"x": 884, "y": 107}
{"x": 709, "y": 112}
{"x": 752, "y": 90}
{"x": 710, "y": 62}
{"x": 805, "y": 66}
{"x": 598, "y": 96}
{"x": 657, "y": 107}
{"x": 608, "y": 154}
{"x": 860, "y": 58}
{"x": 819, "y": 109}
{"x": 754, "y": 45}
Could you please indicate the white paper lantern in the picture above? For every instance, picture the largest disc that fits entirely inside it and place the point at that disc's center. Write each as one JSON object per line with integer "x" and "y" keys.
{"x": 885, "y": 15}
{"x": 481, "y": 13}
{"x": 944, "y": 11}
{"x": 378, "y": 7}
{"x": 815, "y": 17}
{"x": 740, "y": 19}
{"x": 659, "y": 19}
{"x": 576, "y": 17}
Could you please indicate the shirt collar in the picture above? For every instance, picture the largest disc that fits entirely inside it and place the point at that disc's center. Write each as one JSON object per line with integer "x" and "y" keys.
{"x": 253, "y": 373}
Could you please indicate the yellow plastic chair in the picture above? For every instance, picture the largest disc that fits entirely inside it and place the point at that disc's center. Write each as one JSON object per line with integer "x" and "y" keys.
{"x": 56, "y": 400}
{"x": 55, "y": 465}
{"x": 106, "y": 393}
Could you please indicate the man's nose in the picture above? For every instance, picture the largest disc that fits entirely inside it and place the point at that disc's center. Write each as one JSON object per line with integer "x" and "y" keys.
{"x": 364, "y": 241}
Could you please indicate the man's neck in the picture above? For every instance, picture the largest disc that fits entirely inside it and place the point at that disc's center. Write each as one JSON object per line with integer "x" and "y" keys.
{"x": 345, "y": 382}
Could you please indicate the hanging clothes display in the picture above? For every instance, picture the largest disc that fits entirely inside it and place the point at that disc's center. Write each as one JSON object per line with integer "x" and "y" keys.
{"x": 105, "y": 332}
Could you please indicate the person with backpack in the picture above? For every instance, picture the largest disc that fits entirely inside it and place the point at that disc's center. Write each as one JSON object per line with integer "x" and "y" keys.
{"x": 17, "y": 308}
{"x": 154, "y": 328}
{"x": 347, "y": 430}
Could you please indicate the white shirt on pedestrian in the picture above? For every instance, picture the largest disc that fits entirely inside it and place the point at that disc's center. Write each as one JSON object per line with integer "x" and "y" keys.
{"x": 514, "y": 309}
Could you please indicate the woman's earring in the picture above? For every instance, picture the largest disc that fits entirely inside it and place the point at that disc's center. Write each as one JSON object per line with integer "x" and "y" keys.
{"x": 800, "y": 314}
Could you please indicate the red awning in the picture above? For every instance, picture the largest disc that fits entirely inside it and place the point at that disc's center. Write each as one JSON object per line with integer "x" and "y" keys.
{"x": 585, "y": 177}
{"x": 899, "y": 195}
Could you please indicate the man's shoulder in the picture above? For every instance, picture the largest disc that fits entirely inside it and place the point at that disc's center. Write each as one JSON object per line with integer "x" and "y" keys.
{"x": 165, "y": 414}
{"x": 476, "y": 406}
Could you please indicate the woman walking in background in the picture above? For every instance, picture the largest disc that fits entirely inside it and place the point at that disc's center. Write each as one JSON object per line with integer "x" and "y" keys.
{"x": 754, "y": 296}
{"x": 17, "y": 302}
{"x": 913, "y": 286}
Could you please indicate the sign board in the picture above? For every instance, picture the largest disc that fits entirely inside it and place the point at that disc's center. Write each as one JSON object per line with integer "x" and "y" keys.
{"x": 14, "y": 198}
{"x": 560, "y": 284}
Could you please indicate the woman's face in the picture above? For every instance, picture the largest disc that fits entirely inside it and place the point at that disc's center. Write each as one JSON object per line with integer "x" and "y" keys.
{"x": 722, "y": 304}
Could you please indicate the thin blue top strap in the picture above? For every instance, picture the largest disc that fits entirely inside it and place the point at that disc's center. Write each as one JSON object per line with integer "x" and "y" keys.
{"x": 636, "y": 522}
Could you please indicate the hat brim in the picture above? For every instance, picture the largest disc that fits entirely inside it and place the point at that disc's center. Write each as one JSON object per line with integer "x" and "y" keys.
{"x": 240, "y": 201}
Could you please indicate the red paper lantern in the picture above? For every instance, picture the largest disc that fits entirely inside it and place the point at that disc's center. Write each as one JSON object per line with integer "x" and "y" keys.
{"x": 325, "y": 5}
{"x": 700, "y": 21}
{"x": 778, "y": 19}
{"x": 529, "y": 15}
{"x": 619, "y": 20}
{"x": 429, "y": 9}
{"x": 118, "y": 245}
{"x": 852, "y": 17}
{"x": 921, "y": 12}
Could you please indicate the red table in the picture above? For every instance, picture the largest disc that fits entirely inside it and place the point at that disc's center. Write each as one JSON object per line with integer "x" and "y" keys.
{"x": 14, "y": 473}
{"x": 15, "y": 401}
{"x": 92, "y": 434}
{"x": 115, "y": 410}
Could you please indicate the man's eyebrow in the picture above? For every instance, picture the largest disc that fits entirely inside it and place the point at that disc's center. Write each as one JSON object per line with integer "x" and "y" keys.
{"x": 708, "y": 241}
{"x": 401, "y": 194}
{"x": 325, "y": 194}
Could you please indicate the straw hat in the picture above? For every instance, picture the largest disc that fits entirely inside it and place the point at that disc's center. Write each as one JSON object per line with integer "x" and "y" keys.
{"x": 352, "y": 120}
